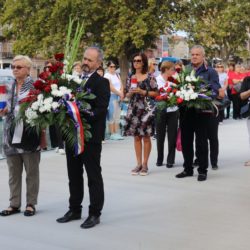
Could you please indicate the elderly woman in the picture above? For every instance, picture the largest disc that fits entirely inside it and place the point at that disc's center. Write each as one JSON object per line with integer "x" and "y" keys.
{"x": 17, "y": 158}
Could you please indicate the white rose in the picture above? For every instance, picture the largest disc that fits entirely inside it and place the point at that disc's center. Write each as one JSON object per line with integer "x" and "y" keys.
{"x": 77, "y": 80}
{"x": 178, "y": 93}
{"x": 35, "y": 106}
{"x": 53, "y": 86}
{"x": 193, "y": 96}
{"x": 42, "y": 109}
{"x": 54, "y": 105}
{"x": 48, "y": 100}
{"x": 188, "y": 79}
{"x": 186, "y": 97}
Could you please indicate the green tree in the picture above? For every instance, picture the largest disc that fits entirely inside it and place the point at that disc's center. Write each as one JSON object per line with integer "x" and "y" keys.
{"x": 221, "y": 26}
{"x": 120, "y": 27}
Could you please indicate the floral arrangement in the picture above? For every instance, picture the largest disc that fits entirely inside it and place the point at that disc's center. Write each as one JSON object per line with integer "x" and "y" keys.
{"x": 58, "y": 98}
{"x": 185, "y": 90}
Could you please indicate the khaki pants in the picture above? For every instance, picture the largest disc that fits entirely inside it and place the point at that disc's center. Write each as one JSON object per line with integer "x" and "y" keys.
{"x": 30, "y": 161}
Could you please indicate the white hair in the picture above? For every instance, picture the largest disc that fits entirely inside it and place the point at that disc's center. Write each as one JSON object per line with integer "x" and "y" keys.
{"x": 26, "y": 59}
{"x": 199, "y": 47}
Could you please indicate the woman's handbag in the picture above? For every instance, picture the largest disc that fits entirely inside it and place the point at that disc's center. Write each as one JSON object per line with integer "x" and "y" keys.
{"x": 178, "y": 140}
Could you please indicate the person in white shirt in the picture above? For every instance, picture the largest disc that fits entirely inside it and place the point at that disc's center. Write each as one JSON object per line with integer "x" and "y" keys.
{"x": 116, "y": 96}
{"x": 167, "y": 120}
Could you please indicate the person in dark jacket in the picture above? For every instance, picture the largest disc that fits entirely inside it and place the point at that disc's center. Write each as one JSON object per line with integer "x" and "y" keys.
{"x": 194, "y": 122}
{"x": 91, "y": 156}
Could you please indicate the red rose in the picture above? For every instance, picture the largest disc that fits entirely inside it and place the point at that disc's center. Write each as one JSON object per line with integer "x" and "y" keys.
{"x": 174, "y": 91}
{"x": 44, "y": 75}
{"x": 179, "y": 100}
{"x": 52, "y": 81}
{"x": 59, "y": 56}
{"x": 47, "y": 89}
{"x": 38, "y": 84}
{"x": 59, "y": 65}
{"x": 53, "y": 68}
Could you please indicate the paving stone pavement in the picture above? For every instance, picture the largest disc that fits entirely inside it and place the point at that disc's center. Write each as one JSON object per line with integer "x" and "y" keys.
{"x": 155, "y": 212}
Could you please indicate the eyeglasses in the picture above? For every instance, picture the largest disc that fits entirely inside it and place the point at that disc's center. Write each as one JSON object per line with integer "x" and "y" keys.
{"x": 219, "y": 67}
{"x": 112, "y": 66}
{"x": 17, "y": 67}
{"x": 137, "y": 61}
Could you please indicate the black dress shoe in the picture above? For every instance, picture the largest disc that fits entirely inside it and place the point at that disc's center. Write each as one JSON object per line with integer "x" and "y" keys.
{"x": 169, "y": 165}
{"x": 91, "y": 221}
{"x": 69, "y": 216}
{"x": 202, "y": 177}
{"x": 183, "y": 174}
{"x": 215, "y": 167}
{"x": 159, "y": 164}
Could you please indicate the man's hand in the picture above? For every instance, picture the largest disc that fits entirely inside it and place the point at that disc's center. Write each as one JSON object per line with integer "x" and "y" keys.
{"x": 221, "y": 94}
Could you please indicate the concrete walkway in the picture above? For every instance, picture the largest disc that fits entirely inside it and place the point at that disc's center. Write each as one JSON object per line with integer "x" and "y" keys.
{"x": 156, "y": 212}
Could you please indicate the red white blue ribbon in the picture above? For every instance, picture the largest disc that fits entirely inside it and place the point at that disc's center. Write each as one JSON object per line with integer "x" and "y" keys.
{"x": 75, "y": 115}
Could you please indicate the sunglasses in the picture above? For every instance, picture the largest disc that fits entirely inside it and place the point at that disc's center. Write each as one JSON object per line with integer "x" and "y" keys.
{"x": 155, "y": 64}
{"x": 137, "y": 61}
{"x": 17, "y": 67}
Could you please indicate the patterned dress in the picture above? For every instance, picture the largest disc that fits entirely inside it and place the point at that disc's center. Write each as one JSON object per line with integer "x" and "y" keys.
{"x": 139, "y": 120}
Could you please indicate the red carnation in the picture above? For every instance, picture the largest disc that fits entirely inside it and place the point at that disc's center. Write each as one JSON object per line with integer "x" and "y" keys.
{"x": 174, "y": 91}
{"x": 44, "y": 75}
{"x": 59, "y": 56}
{"x": 161, "y": 90}
{"x": 169, "y": 90}
{"x": 179, "y": 100}
{"x": 38, "y": 84}
{"x": 158, "y": 98}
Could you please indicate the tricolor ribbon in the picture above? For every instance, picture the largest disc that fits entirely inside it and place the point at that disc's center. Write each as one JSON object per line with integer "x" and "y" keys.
{"x": 75, "y": 115}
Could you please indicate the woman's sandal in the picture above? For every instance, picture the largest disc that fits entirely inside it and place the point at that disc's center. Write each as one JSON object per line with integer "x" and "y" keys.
{"x": 10, "y": 211}
{"x": 28, "y": 212}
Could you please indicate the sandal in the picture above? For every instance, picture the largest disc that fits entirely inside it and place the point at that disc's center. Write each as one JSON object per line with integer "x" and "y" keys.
{"x": 10, "y": 211}
{"x": 28, "y": 212}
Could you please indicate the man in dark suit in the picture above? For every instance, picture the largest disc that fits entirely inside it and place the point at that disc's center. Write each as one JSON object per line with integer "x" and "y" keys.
{"x": 91, "y": 156}
{"x": 195, "y": 122}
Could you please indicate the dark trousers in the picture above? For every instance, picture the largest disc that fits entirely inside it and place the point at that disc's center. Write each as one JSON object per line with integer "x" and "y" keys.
{"x": 55, "y": 137}
{"x": 91, "y": 159}
{"x": 193, "y": 123}
{"x": 236, "y": 106}
{"x": 166, "y": 122}
{"x": 212, "y": 136}
{"x": 229, "y": 95}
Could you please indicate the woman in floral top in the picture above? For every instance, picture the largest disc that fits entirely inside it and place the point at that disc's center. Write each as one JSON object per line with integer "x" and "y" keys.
{"x": 141, "y": 88}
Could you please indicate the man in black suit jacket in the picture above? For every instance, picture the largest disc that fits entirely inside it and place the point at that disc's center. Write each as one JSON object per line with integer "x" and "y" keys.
{"x": 91, "y": 156}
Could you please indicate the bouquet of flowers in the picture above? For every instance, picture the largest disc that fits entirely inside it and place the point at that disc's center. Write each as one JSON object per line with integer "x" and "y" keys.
{"x": 58, "y": 98}
{"x": 167, "y": 94}
{"x": 185, "y": 90}
{"x": 193, "y": 92}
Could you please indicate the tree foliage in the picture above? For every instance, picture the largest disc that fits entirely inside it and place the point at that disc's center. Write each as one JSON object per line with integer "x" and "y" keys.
{"x": 220, "y": 26}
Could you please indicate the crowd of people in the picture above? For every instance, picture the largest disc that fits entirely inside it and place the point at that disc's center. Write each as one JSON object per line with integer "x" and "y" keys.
{"x": 199, "y": 127}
